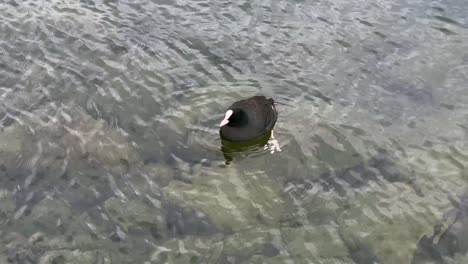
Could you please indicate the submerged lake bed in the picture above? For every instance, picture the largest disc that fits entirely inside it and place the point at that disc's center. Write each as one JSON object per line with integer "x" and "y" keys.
{"x": 109, "y": 132}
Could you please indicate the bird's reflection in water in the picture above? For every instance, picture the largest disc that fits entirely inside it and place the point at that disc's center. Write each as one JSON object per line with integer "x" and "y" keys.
{"x": 265, "y": 143}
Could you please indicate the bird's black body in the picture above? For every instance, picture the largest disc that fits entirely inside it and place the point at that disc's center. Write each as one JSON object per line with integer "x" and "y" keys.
{"x": 251, "y": 118}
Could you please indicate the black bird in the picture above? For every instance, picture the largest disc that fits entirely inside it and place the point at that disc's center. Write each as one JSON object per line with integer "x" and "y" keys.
{"x": 248, "y": 119}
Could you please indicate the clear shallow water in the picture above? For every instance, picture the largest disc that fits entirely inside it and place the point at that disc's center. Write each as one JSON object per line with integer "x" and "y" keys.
{"x": 110, "y": 152}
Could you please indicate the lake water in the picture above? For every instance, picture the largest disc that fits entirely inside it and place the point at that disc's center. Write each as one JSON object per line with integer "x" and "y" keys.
{"x": 109, "y": 144}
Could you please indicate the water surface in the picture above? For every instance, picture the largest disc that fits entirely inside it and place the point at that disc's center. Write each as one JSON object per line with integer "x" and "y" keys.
{"x": 109, "y": 146}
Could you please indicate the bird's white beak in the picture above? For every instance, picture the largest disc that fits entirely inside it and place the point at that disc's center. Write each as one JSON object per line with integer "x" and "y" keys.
{"x": 224, "y": 122}
{"x": 226, "y": 118}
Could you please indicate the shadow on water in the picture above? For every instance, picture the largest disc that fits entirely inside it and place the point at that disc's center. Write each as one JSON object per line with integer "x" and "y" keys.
{"x": 232, "y": 150}
{"x": 380, "y": 168}
{"x": 447, "y": 244}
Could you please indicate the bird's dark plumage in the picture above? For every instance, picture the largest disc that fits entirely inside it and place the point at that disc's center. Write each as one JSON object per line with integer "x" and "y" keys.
{"x": 251, "y": 118}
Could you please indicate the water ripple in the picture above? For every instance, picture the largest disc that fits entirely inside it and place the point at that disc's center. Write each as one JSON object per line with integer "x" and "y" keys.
{"x": 109, "y": 130}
